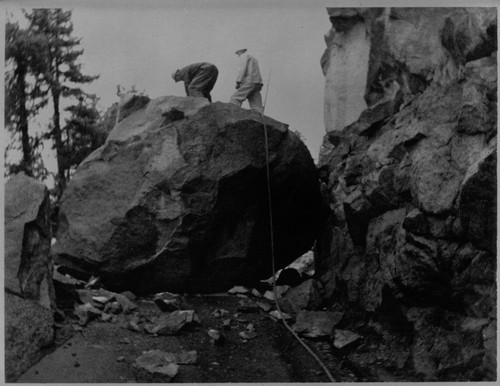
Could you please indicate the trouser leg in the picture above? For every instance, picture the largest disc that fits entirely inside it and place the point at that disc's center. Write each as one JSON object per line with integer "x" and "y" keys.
{"x": 195, "y": 93}
{"x": 255, "y": 101}
{"x": 241, "y": 94}
{"x": 203, "y": 83}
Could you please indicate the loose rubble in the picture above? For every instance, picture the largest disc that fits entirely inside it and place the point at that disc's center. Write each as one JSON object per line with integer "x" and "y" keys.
{"x": 168, "y": 317}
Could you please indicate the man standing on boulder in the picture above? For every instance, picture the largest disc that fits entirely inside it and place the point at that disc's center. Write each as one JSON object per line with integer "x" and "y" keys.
{"x": 248, "y": 82}
{"x": 199, "y": 79}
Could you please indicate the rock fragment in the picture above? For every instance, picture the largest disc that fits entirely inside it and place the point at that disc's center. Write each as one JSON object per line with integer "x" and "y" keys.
{"x": 153, "y": 366}
{"x": 226, "y": 324}
{"x": 126, "y": 305}
{"x": 248, "y": 306}
{"x": 94, "y": 283}
{"x": 344, "y": 338}
{"x": 238, "y": 290}
{"x": 171, "y": 324}
{"x": 220, "y": 313}
{"x": 275, "y": 314}
{"x": 247, "y": 335}
{"x": 215, "y": 337}
{"x": 86, "y": 312}
{"x": 264, "y": 306}
{"x": 315, "y": 324}
{"x": 306, "y": 295}
{"x": 255, "y": 292}
{"x": 167, "y": 301}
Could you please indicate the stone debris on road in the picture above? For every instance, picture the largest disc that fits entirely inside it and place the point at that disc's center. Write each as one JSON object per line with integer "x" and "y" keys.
{"x": 171, "y": 324}
{"x": 167, "y": 301}
{"x": 275, "y": 314}
{"x": 155, "y": 366}
{"x": 304, "y": 296}
{"x": 269, "y": 295}
{"x": 315, "y": 324}
{"x": 133, "y": 323}
{"x": 226, "y": 324}
{"x": 255, "y": 292}
{"x": 107, "y": 317}
{"x": 215, "y": 336}
{"x": 86, "y": 312}
{"x": 101, "y": 300}
{"x": 247, "y": 335}
{"x": 129, "y": 295}
{"x": 344, "y": 338}
{"x": 238, "y": 290}
{"x": 280, "y": 291}
{"x": 113, "y": 307}
{"x": 159, "y": 366}
{"x": 218, "y": 313}
{"x": 94, "y": 283}
{"x": 126, "y": 305}
{"x": 183, "y": 357}
{"x": 247, "y": 306}
{"x": 264, "y": 306}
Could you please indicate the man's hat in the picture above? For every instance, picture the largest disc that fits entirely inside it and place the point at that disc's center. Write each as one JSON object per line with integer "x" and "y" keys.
{"x": 174, "y": 75}
{"x": 242, "y": 51}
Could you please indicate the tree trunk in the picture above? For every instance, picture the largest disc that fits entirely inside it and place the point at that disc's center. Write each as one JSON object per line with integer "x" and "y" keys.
{"x": 27, "y": 161}
{"x": 61, "y": 177}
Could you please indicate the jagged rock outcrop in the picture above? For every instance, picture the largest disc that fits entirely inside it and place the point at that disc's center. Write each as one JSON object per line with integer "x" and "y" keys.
{"x": 29, "y": 291}
{"x": 176, "y": 199}
{"x": 412, "y": 185}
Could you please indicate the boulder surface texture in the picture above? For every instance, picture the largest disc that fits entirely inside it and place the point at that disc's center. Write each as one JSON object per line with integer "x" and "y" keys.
{"x": 412, "y": 184}
{"x": 29, "y": 293}
{"x": 176, "y": 199}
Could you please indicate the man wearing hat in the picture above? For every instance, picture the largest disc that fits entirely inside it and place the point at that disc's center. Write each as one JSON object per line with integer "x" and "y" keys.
{"x": 248, "y": 82}
{"x": 199, "y": 79}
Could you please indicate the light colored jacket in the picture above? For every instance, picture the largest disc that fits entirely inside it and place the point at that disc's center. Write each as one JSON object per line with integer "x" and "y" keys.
{"x": 249, "y": 70}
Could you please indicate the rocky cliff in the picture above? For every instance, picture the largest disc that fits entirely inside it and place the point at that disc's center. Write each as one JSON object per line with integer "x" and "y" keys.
{"x": 176, "y": 199}
{"x": 409, "y": 163}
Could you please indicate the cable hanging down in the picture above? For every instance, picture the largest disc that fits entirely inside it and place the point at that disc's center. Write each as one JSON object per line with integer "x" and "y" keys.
{"x": 268, "y": 175}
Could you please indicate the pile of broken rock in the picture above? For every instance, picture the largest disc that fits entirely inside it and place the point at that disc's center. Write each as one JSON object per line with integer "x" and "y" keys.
{"x": 298, "y": 303}
{"x": 296, "y": 294}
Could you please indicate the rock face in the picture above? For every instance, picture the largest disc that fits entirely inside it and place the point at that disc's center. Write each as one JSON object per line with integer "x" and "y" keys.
{"x": 29, "y": 292}
{"x": 345, "y": 66}
{"x": 412, "y": 183}
{"x": 176, "y": 199}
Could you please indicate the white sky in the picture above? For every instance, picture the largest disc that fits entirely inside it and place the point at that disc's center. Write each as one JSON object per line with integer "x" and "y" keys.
{"x": 142, "y": 43}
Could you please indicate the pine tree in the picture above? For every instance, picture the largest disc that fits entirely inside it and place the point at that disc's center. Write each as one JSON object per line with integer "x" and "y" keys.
{"x": 24, "y": 97}
{"x": 82, "y": 132}
{"x": 61, "y": 74}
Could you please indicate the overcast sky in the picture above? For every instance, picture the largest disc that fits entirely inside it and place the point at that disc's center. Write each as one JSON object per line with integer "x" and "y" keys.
{"x": 140, "y": 44}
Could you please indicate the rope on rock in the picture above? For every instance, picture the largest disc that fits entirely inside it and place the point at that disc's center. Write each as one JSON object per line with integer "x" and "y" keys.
{"x": 268, "y": 175}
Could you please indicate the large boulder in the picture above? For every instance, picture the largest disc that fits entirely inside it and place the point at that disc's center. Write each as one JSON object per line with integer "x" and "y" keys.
{"x": 412, "y": 184}
{"x": 177, "y": 199}
{"x": 29, "y": 293}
